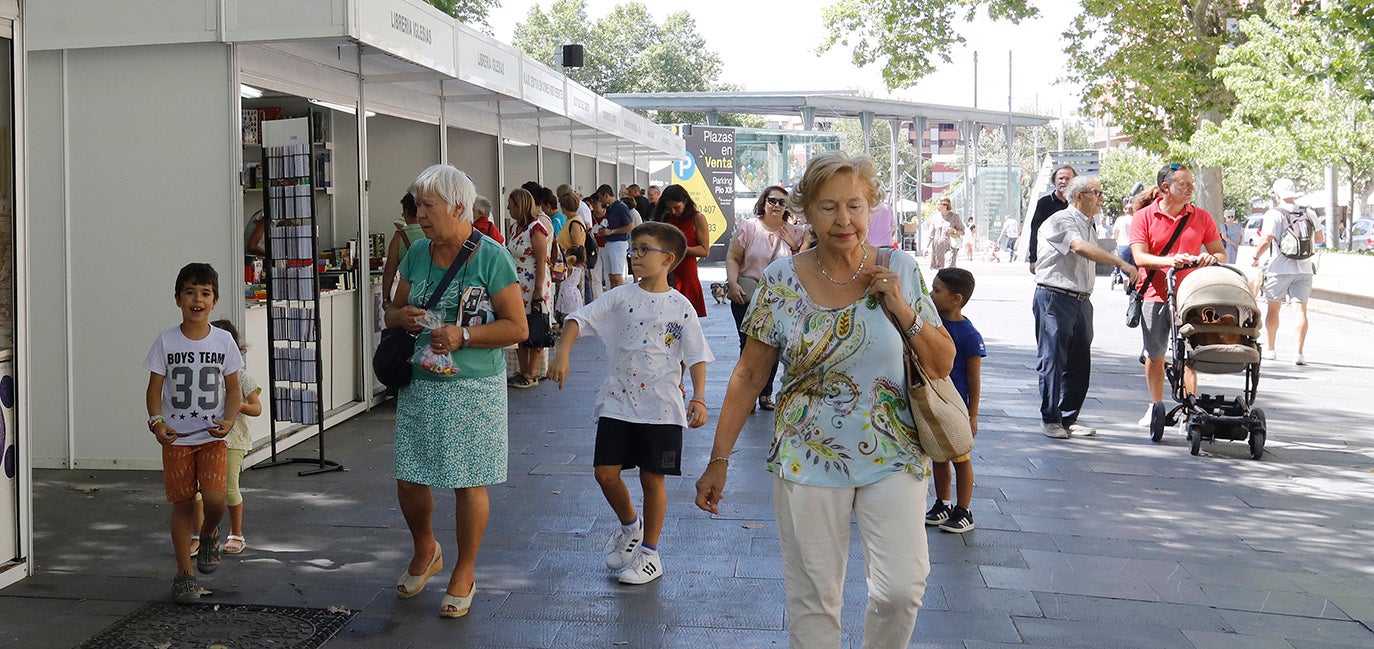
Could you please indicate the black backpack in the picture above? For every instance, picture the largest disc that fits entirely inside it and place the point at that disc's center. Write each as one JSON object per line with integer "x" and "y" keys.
{"x": 1299, "y": 230}
{"x": 589, "y": 245}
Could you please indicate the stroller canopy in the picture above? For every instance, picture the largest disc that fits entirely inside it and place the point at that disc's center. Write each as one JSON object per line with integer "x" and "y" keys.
{"x": 1217, "y": 287}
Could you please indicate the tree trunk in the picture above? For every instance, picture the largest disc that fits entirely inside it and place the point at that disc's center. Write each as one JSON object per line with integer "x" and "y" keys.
{"x": 1206, "y": 22}
{"x": 1209, "y": 191}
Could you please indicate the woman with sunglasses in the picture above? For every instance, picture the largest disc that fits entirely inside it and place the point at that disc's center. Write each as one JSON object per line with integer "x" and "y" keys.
{"x": 757, "y": 242}
{"x": 676, "y": 208}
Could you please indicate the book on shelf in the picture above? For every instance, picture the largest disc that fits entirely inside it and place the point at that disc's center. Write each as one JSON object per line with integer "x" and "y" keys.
{"x": 319, "y": 122}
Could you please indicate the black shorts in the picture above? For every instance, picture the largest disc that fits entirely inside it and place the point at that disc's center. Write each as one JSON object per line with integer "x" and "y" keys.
{"x": 656, "y": 448}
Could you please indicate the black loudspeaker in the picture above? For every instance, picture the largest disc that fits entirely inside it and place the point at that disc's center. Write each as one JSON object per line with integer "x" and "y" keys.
{"x": 570, "y": 56}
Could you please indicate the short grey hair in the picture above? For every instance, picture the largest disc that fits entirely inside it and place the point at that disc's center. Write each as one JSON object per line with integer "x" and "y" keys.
{"x": 451, "y": 185}
{"x": 1078, "y": 185}
{"x": 481, "y": 206}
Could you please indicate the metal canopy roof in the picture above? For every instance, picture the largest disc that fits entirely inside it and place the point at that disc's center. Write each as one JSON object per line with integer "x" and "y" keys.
{"x": 842, "y": 103}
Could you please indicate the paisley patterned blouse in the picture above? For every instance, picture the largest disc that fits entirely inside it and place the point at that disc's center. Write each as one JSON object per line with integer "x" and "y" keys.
{"x": 842, "y": 417}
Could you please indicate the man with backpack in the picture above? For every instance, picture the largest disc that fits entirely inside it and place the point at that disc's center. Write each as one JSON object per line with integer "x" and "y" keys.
{"x": 1294, "y": 234}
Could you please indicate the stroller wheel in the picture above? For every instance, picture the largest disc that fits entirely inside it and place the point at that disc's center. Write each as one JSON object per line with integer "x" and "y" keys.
{"x": 1258, "y": 433}
{"x": 1257, "y": 445}
{"x": 1194, "y": 437}
{"x": 1157, "y": 419}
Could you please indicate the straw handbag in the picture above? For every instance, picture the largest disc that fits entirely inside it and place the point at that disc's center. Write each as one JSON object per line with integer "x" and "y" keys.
{"x": 943, "y": 430}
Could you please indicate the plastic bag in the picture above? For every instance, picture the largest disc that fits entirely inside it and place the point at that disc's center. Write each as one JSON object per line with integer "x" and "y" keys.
{"x": 428, "y": 359}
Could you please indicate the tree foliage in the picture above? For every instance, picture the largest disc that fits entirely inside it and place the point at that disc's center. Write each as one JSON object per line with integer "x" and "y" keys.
{"x": 626, "y": 51}
{"x": 1122, "y": 169}
{"x": 1300, "y": 102}
{"x": 469, "y": 11}
{"x": 909, "y": 37}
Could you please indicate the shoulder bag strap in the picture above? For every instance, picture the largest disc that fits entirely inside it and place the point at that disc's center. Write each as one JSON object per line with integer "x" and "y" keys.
{"x": 462, "y": 258}
{"x": 1178, "y": 230}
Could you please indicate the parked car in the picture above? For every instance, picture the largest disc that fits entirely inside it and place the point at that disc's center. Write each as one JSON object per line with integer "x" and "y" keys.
{"x": 1251, "y": 236}
{"x": 1362, "y": 235}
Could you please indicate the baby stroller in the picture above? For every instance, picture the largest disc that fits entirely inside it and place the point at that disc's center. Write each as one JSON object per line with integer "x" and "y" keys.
{"x": 1216, "y": 331}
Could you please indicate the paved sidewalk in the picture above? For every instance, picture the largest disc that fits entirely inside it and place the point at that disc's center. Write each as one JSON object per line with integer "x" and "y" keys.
{"x": 1105, "y": 542}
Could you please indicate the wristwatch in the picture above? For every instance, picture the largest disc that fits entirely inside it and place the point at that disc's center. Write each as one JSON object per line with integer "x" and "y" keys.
{"x": 153, "y": 421}
{"x": 916, "y": 326}
{"x": 466, "y": 337}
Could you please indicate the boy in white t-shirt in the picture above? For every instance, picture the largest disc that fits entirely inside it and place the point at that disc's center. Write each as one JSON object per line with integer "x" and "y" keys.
{"x": 651, "y": 332}
{"x": 193, "y": 399}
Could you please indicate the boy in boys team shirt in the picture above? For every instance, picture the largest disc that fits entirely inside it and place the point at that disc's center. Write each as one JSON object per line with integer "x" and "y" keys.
{"x": 651, "y": 332}
{"x": 193, "y": 399}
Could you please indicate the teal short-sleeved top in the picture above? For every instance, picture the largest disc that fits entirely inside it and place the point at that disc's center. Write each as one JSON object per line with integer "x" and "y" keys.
{"x": 466, "y": 302}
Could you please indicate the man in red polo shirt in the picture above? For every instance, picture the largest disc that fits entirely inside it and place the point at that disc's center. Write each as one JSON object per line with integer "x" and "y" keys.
{"x": 1198, "y": 244}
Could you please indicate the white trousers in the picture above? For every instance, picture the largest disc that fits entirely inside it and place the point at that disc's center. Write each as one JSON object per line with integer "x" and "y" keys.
{"x": 813, "y": 527}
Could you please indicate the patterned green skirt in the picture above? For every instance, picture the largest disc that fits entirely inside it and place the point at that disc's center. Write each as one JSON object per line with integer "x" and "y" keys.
{"x": 452, "y": 434}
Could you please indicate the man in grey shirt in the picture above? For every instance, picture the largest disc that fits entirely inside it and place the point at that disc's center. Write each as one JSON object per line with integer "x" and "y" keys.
{"x": 1065, "y": 270}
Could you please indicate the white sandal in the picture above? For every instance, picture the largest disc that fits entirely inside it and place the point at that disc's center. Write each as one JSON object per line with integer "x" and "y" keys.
{"x": 410, "y": 585}
{"x": 461, "y": 605}
{"x": 243, "y": 544}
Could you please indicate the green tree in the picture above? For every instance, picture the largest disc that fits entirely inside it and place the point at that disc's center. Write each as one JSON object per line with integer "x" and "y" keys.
{"x": 469, "y": 11}
{"x": 910, "y": 37}
{"x": 1122, "y": 168}
{"x": 1145, "y": 64}
{"x": 627, "y": 51}
{"x": 1298, "y": 105}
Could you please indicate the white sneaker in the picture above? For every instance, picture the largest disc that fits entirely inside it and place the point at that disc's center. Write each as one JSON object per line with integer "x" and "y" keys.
{"x": 1300, "y": 360}
{"x": 1149, "y": 414}
{"x": 1054, "y": 429}
{"x": 643, "y": 568}
{"x": 622, "y": 546}
{"x": 1080, "y": 429}
{"x": 1271, "y": 355}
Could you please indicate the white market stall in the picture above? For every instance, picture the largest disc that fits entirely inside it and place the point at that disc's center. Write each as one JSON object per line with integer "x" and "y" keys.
{"x": 16, "y": 505}
{"x": 147, "y": 163}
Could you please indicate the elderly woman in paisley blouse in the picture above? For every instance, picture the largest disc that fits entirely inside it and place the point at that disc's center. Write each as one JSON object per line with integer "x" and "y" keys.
{"x": 840, "y": 446}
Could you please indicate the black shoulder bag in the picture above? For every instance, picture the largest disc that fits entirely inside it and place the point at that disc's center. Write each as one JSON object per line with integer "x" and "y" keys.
{"x": 1134, "y": 303}
{"x": 391, "y": 361}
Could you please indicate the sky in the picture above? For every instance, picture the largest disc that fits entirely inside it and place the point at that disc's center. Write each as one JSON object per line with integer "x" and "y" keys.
{"x": 770, "y": 45}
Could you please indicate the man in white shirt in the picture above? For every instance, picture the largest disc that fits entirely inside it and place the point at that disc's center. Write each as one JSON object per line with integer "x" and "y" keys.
{"x": 1011, "y": 231}
{"x": 1065, "y": 270}
{"x": 1287, "y": 276}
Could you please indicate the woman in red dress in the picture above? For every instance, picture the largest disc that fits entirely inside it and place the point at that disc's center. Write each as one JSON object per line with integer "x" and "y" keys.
{"x": 676, "y": 207}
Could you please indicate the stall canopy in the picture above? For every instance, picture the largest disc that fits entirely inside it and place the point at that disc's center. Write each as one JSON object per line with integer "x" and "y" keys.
{"x": 413, "y": 61}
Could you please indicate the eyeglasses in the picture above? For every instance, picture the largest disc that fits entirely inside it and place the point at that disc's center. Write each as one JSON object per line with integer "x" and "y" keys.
{"x": 1175, "y": 166}
{"x": 780, "y": 202}
{"x": 640, "y": 251}
{"x": 1095, "y": 192}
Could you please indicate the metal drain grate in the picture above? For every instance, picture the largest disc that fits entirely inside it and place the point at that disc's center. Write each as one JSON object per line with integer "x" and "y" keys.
{"x": 166, "y": 625}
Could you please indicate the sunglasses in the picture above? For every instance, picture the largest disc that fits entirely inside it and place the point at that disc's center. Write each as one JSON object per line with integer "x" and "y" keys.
{"x": 780, "y": 202}
{"x": 640, "y": 251}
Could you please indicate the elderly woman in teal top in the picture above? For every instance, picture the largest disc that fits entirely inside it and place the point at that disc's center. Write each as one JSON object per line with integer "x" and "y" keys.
{"x": 451, "y": 429}
{"x": 841, "y": 446}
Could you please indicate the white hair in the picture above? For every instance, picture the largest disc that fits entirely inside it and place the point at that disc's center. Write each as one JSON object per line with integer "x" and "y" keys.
{"x": 451, "y": 185}
{"x": 482, "y": 206}
{"x": 1078, "y": 185}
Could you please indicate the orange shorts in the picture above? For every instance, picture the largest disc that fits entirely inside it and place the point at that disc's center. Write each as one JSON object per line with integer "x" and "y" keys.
{"x": 188, "y": 469}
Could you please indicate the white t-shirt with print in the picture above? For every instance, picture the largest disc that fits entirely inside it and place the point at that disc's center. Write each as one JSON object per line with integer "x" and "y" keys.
{"x": 649, "y": 336}
{"x": 193, "y": 393}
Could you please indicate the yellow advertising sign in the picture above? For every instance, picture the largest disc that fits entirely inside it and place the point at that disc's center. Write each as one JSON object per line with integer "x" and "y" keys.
{"x": 708, "y": 175}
